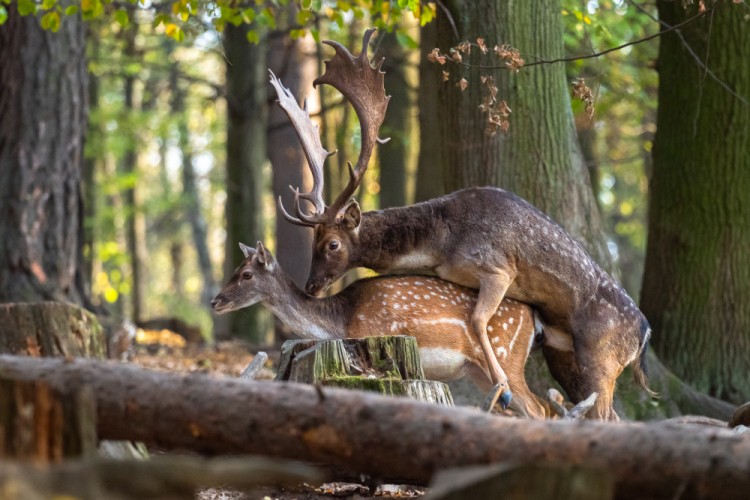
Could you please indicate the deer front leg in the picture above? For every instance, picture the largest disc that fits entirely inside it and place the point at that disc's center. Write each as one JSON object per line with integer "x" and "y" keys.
{"x": 492, "y": 289}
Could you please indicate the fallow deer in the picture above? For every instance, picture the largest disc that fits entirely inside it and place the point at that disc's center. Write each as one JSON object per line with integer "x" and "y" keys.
{"x": 484, "y": 238}
{"x": 436, "y": 312}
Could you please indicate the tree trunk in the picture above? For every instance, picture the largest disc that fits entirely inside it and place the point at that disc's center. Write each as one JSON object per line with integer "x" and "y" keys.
{"x": 246, "y": 153}
{"x": 392, "y": 156}
{"x": 129, "y": 167}
{"x": 697, "y": 273}
{"x": 292, "y": 61}
{"x": 430, "y": 166}
{"x": 405, "y": 440}
{"x": 43, "y": 115}
{"x": 539, "y": 158}
{"x": 190, "y": 196}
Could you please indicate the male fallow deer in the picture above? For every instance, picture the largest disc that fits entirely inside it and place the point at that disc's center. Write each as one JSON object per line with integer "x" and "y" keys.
{"x": 483, "y": 238}
{"x": 435, "y": 311}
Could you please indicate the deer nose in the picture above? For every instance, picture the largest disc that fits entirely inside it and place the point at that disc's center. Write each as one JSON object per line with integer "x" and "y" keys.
{"x": 215, "y": 301}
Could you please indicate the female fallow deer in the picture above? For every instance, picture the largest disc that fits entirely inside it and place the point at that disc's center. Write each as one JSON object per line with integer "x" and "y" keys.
{"x": 482, "y": 238}
{"x": 434, "y": 311}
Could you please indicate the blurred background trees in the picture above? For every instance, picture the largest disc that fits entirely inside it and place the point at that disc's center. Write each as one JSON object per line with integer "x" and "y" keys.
{"x": 186, "y": 151}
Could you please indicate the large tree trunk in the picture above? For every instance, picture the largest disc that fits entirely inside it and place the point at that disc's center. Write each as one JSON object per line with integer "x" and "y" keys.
{"x": 246, "y": 154}
{"x": 539, "y": 158}
{"x": 293, "y": 62}
{"x": 43, "y": 114}
{"x": 392, "y": 156}
{"x": 403, "y": 440}
{"x": 697, "y": 275}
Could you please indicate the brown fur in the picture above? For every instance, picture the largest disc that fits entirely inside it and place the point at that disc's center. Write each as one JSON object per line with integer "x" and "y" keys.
{"x": 436, "y": 312}
{"x": 491, "y": 239}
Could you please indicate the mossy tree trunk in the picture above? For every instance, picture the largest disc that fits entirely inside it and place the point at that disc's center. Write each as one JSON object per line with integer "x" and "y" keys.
{"x": 539, "y": 158}
{"x": 697, "y": 274}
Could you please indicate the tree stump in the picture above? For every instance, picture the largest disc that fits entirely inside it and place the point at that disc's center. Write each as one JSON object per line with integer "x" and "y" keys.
{"x": 386, "y": 365}
{"x": 36, "y": 423}
{"x": 50, "y": 329}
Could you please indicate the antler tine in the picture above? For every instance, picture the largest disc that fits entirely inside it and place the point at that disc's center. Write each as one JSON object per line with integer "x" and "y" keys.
{"x": 308, "y": 135}
{"x": 301, "y": 219}
{"x": 362, "y": 84}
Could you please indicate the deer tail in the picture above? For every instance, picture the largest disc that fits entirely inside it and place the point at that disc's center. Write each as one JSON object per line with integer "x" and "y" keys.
{"x": 640, "y": 369}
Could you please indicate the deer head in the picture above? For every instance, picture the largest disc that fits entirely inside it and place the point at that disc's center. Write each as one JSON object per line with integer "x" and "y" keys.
{"x": 249, "y": 283}
{"x": 336, "y": 225}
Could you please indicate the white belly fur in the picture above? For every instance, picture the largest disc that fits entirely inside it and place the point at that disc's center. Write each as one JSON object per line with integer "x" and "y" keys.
{"x": 443, "y": 364}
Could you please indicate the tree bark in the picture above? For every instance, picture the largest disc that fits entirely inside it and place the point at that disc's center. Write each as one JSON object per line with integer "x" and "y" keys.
{"x": 404, "y": 440}
{"x": 134, "y": 231}
{"x": 246, "y": 153}
{"x": 50, "y": 329}
{"x": 43, "y": 116}
{"x": 292, "y": 61}
{"x": 430, "y": 166}
{"x": 539, "y": 158}
{"x": 40, "y": 425}
{"x": 392, "y": 156}
{"x": 697, "y": 272}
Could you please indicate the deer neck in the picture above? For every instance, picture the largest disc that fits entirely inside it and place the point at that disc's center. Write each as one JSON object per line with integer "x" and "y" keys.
{"x": 394, "y": 239}
{"x": 309, "y": 317}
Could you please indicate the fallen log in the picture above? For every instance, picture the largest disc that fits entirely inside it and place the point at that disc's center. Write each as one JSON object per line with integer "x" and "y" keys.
{"x": 391, "y": 438}
{"x": 171, "y": 477}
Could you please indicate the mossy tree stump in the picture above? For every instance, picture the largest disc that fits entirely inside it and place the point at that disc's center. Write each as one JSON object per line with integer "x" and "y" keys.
{"x": 37, "y": 423}
{"x": 387, "y": 365}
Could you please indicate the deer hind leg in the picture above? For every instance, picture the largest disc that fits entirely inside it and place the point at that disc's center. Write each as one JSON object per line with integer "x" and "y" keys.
{"x": 492, "y": 288}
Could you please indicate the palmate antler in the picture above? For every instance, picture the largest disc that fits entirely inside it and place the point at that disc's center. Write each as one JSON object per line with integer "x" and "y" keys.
{"x": 362, "y": 84}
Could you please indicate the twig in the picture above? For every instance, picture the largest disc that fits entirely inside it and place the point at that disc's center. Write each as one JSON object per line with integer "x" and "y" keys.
{"x": 690, "y": 50}
{"x": 595, "y": 54}
{"x": 255, "y": 366}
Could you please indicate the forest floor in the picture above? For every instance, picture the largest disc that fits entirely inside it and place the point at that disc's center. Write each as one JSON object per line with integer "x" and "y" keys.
{"x": 165, "y": 351}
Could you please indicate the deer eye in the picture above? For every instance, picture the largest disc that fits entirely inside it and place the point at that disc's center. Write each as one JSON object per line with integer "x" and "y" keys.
{"x": 334, "y": 245}
{"x": 247, "y": 275}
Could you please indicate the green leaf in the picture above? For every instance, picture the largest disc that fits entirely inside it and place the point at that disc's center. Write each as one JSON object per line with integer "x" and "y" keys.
{"x": 427, "y": 14}
{"x": 253, "y": 37}
{"x": 306, "y": 4}
{"x": 3, "y": 14}
{"x": 248, "y": 15}
{"x": 26, "y": 7}
{"x": 71, "y": 10}
{"x": 122, "y": 18}
{"x": 303, "y": 16}
{"x": 406, "y": 41}
{"x": 48, "y": 4}
{"x": 315, "y": 35}
{"x": 51, "y": 21}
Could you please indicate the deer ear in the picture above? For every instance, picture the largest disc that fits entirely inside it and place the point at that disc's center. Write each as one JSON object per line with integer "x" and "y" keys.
{"x": 265, "y": 257}
{"x": 351, "y": 215}
{"x": 246, "y": 250}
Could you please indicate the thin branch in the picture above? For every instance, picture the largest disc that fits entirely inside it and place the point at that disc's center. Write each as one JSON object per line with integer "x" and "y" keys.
{"x": 690, "y": 50}
{"x": 596, "y": 54}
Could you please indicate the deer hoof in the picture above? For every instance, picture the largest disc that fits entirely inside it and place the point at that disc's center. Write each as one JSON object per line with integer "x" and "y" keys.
{"x": 505, "y": 399}
{"x": 500, "y": 394}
